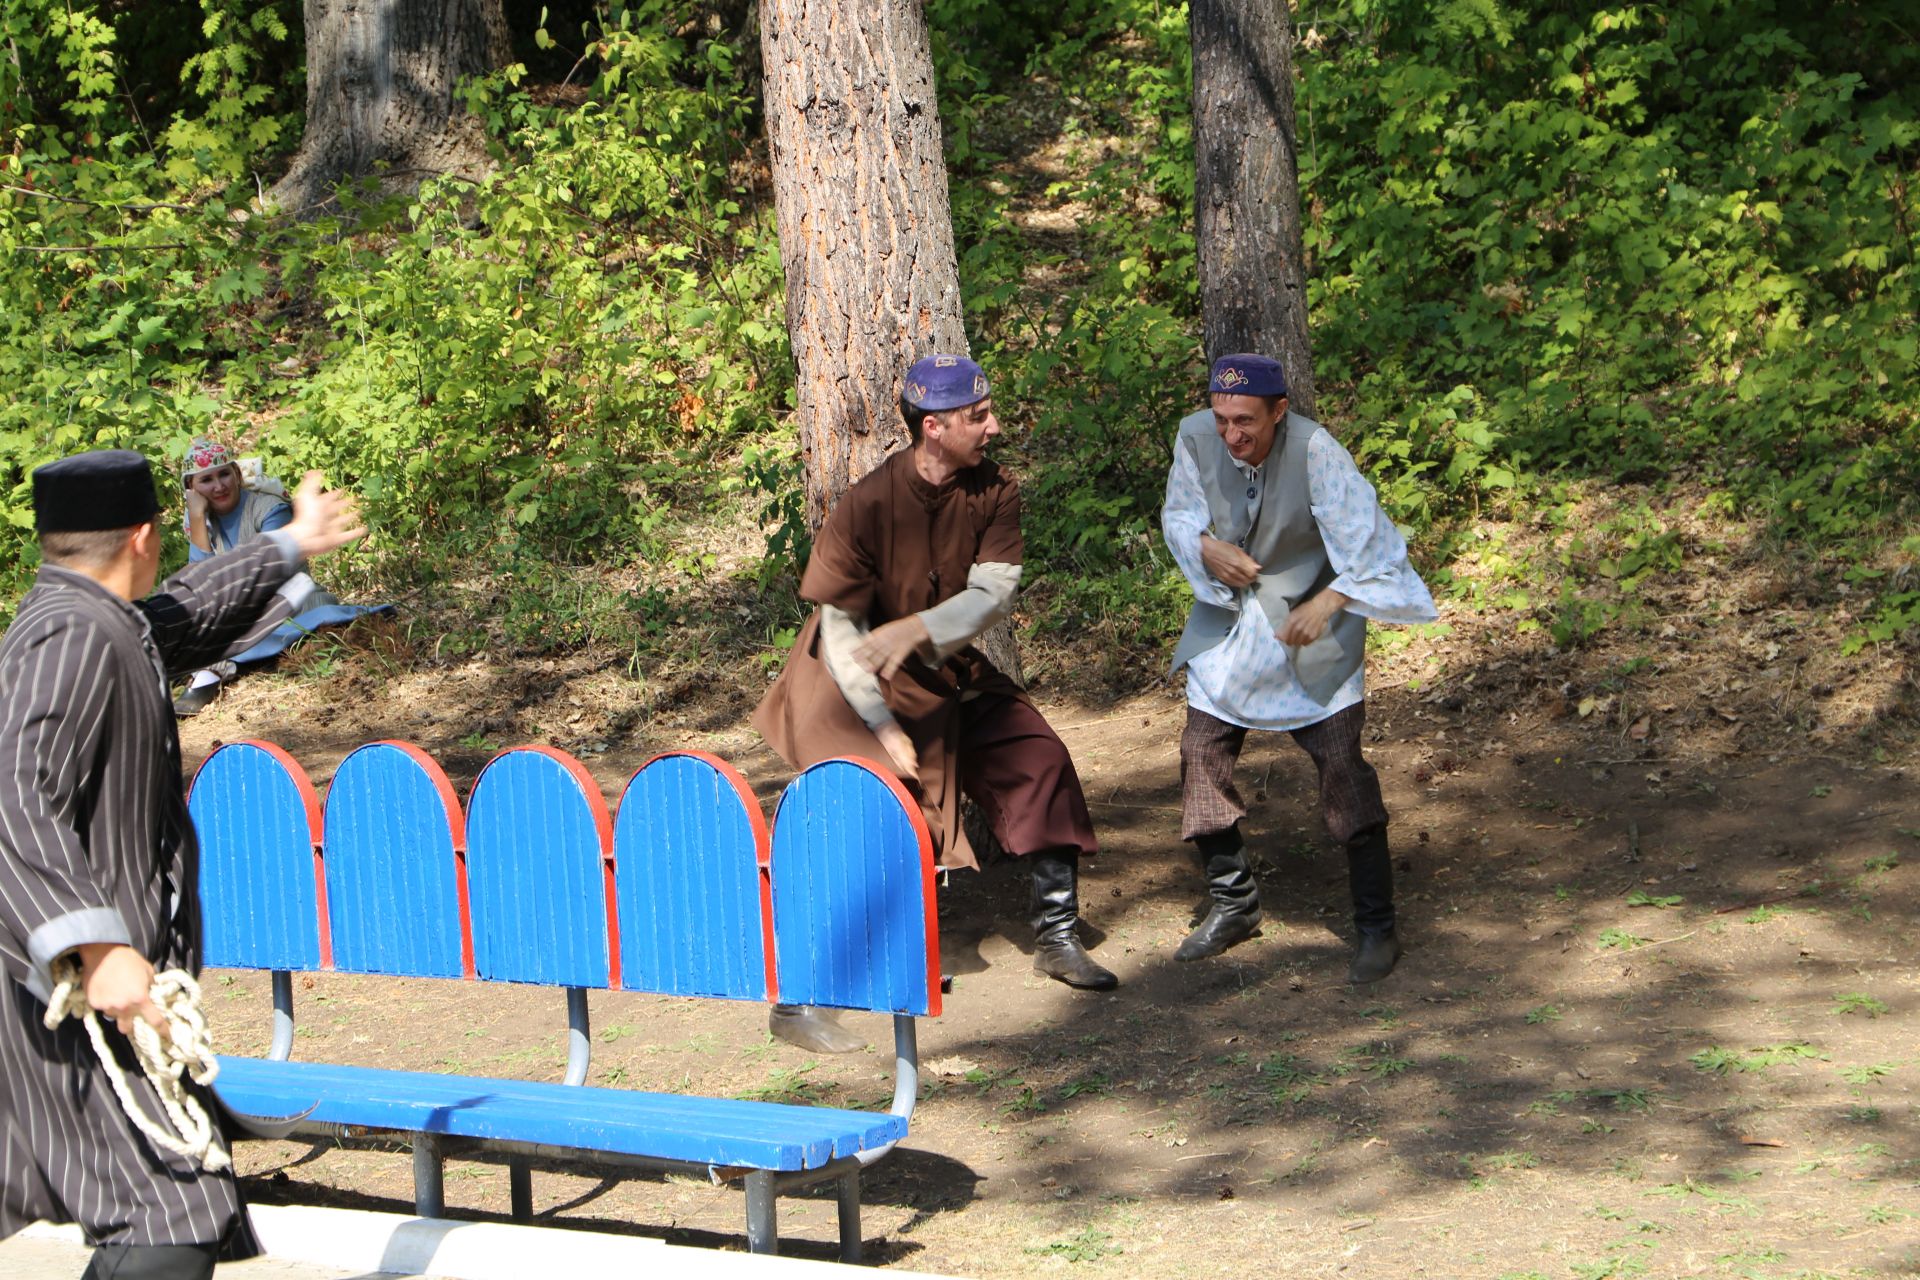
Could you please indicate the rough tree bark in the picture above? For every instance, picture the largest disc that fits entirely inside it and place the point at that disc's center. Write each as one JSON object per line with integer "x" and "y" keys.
{"x": 1253, "y": 282}
{"x": 866, "y": 233}
{"x": 381, "y": 76}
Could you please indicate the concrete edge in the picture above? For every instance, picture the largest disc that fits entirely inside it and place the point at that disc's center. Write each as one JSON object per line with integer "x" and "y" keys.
{"x": 358, "y": 1242}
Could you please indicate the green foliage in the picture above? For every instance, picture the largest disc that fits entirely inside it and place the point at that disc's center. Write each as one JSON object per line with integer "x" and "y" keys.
{"x": 1720, "y": 1061}
{"x": 1624, "y": 241}
{"x": 536, "y": 368}
{"x": 1547, "y": 244}
{"x": 1859, "y": 1002}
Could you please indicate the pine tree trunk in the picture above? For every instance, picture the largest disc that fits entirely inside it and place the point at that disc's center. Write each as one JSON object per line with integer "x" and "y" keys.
{"x": 381, "y": 76}
{"x": 866, "y": 233}
{"x": 1253, "y": 282}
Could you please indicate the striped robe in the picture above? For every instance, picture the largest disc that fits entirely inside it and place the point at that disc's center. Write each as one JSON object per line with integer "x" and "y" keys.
{"x": 96, "y": 846}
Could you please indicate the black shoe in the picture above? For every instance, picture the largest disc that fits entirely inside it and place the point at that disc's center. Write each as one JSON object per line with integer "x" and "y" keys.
{"x": 1068, "y": 962}
{"x": 811, "y": 1029}
{"x": 1235, "y": 913}
{"x": 1056, "y": 911}
{"x": 195, "y": 700}
{"x": 1224, "y": 926}
{"x": 1375, "y": 958}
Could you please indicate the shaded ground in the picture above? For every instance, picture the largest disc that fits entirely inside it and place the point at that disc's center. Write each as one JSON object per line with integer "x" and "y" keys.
{"x": 1657, "y": 1015}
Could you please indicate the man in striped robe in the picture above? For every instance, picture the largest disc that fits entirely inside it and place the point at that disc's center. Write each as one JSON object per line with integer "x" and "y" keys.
{"x": 97, "y": 854}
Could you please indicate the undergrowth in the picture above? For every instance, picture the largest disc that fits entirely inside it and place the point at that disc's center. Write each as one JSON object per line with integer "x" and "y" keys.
{"x": 1552, "y": 252}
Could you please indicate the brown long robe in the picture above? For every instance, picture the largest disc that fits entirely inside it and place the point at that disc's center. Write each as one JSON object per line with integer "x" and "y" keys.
{"x": 893, "y": 546}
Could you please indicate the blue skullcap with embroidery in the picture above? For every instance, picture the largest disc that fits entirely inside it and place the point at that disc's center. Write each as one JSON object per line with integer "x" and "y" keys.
{"x": 935, "y": 383}
{"x": 1248, "y": 375}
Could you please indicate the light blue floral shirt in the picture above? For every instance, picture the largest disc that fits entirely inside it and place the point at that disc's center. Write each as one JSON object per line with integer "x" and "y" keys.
{"x": 1247, "y": 678}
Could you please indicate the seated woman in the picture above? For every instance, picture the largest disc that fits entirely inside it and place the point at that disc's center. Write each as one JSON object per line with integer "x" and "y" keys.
{"x": 224, "y": 511}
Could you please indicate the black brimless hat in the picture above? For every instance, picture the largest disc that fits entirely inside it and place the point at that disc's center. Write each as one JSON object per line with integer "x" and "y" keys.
{"x": 104, "y": 489}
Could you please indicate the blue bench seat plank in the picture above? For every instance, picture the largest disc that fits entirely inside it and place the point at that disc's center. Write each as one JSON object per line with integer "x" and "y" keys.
{"x": 666, "y": 1126}
{"x": 689, "y": 845}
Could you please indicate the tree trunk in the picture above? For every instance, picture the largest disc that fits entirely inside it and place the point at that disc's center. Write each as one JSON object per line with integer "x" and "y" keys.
{"x": 866, "y": 233}
{"x": 381, "y": 76}
{"x": 1253, "y": 280}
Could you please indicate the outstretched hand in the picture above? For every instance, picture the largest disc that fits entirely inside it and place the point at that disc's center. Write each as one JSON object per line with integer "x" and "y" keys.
{"x": 323, "y": 519}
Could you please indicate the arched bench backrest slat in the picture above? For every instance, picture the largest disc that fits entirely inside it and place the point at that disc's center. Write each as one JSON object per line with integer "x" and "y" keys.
{"x": 395, "y": 845}
{"x": 540, "y": 872}
{"x": 691, "y": 848}
{"x": 262, "y": 893}
{"x": 853, "y": 905}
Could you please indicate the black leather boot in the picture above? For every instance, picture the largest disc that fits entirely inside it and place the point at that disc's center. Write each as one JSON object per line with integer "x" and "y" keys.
{"x": 1056, "y": 910}
{"x": 1235, "y": 913}
{"x": 811, "y": 1029}
{"x": 1370, "y": 876}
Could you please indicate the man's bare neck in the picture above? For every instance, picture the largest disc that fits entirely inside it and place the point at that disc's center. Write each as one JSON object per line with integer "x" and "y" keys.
{"x": 933, "y": 464}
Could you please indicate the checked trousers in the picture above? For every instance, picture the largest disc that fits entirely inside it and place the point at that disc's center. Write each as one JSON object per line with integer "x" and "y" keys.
{"x": 1349, "y": 788}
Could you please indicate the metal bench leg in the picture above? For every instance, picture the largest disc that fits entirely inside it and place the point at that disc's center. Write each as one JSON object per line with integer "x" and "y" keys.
{"x": 763, "y": 1223}
{"x": 849, "y": 1186}
{"x": 520, "y": 1183}
{"x": 429, "y": 1187}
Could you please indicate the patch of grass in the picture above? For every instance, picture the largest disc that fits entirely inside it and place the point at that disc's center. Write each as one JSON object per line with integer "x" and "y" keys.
{"x": 1858, "y": 1002}
{"x": 1027, "y": 1102}
{"x": 1626, "y": 1099}
{"x": 1289, "y": 1079}
{"x": 1880, "y": 1213}
{"x": 1096, "y": 1085}
{"x": 1087, "y": 1245}
{"x": 789, "y": 1085}
{"x": 1721, "y": 1061}
{"x": 1860, "y": 1114}
{"x": 1386, "y": 1014}
{"x": 1885, "y": 862}
{"x": 1688, "y": 1188}
{"x": 1867, "y": 1074}
{"x": 1621, "y": 940}
{"x": 1543, "y": 1013}
{"x": 1590, "y": 1125}
{"x": 1763, "y": 913}
{"x": 1641, "y": 898}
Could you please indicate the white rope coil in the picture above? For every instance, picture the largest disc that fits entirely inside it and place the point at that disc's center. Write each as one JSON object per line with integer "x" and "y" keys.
{"x": 187, "y": 1049}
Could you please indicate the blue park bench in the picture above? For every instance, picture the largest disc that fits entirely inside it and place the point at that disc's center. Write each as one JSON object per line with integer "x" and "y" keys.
{"x": 686, "y": 894}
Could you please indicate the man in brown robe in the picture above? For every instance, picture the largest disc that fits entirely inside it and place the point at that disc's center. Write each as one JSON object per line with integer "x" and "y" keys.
{"x": 915, "y": 561}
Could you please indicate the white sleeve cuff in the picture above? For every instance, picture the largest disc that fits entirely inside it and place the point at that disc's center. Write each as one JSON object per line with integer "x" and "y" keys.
{"x": 839, "y": 633}
{"x": 62, "y": 934}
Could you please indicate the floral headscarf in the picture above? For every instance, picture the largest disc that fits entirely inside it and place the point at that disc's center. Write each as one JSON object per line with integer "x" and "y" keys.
{"x": 205, "y": 455}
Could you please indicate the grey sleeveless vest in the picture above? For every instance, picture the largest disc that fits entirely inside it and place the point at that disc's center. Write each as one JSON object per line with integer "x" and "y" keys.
{"x": 1285, "y": 541}
{"x": 254, "y": 509}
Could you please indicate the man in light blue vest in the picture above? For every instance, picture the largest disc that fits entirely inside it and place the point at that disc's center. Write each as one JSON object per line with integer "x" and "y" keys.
{"x": 1288, "y": 554}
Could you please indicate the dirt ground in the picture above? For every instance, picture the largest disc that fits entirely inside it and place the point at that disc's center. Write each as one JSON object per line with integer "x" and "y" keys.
{"x": 1656, "y": 1017}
